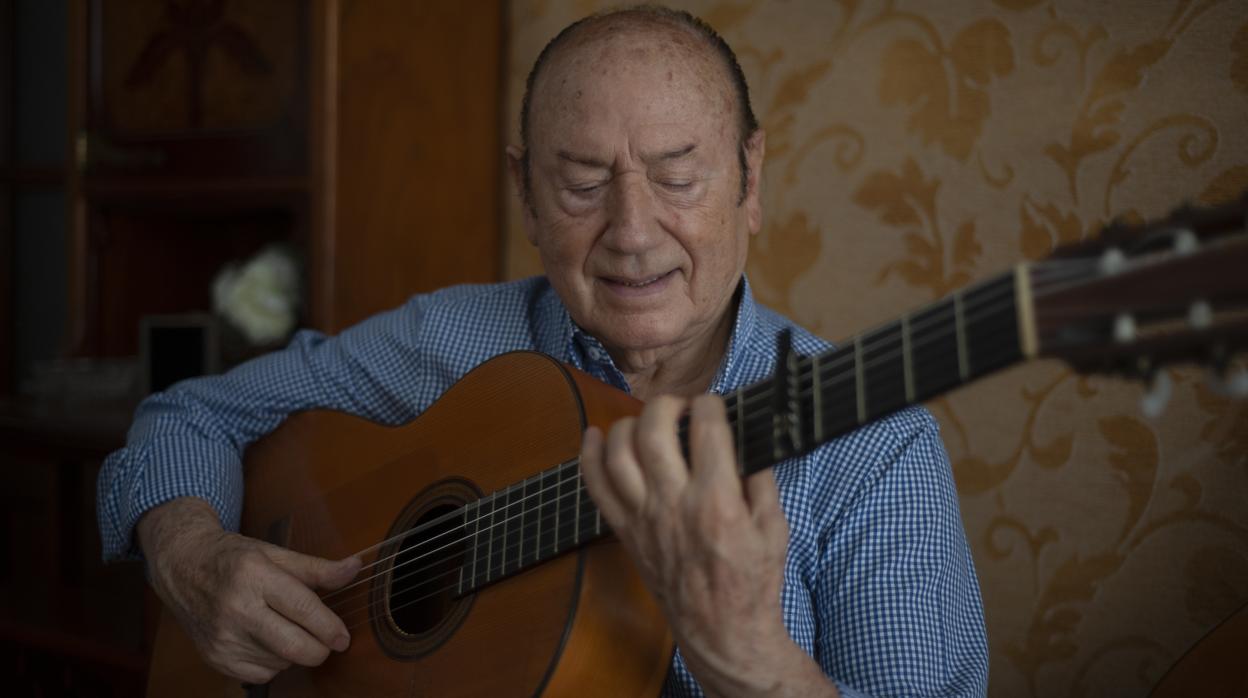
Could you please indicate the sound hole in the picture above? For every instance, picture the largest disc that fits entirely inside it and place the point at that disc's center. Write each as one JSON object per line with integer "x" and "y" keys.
{"x": 419, "y": 587}
{"x": 425, "y": 576}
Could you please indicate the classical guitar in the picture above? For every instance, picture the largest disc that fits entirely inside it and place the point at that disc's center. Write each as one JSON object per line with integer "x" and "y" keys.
{"x": 489, "y": 572}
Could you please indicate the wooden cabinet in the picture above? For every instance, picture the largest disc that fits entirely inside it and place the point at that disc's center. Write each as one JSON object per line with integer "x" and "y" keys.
{"x": 365, "y": 133}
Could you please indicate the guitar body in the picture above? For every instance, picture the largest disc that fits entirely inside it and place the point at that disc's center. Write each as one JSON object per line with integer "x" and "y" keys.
{"x": 331, "y": 485}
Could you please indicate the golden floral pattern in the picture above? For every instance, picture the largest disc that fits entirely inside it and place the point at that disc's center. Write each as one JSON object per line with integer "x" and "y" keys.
{"x": 952, "y": 102}
{"x": 914, "y": 147}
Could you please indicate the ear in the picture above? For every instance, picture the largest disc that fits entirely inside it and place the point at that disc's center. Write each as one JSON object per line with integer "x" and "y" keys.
{"x": 515, "y": 164}
{"x": 755, "y": 149}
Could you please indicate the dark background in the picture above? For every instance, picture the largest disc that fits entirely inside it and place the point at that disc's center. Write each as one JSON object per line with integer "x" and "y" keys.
{"x": 144, "y": 145}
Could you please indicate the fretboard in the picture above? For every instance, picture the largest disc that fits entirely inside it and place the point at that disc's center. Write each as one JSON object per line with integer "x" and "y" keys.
{"x": 920, "y": 356}
{"x": 812, "y": 400}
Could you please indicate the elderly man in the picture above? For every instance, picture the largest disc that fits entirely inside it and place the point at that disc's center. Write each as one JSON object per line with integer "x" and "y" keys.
{"x": 846, "y": 571}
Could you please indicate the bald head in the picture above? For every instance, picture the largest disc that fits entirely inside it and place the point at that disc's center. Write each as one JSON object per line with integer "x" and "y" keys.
{"x": 678, "y": 34}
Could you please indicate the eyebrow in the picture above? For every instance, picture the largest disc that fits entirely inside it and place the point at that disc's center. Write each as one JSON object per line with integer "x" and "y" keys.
{"x": 583, "y": 160}
{"x": 589, "y": 161}
{"x": 673, "y": 154}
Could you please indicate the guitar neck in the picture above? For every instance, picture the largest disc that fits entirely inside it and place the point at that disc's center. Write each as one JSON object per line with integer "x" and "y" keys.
{"x": 809, "y": 401}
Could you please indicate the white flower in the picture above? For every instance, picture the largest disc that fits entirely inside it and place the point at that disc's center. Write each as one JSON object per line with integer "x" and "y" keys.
{"x": 260, "y": 298}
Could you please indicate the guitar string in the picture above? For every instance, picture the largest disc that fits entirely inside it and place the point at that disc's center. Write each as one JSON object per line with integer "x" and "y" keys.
{"x": 491, "y": 570}
{"x": 550, "y": 472}
{"x": 750, "y": 393}
{"x": 546, "y": 474}
{"x": 765, "y": 393}
{"x": 502, "y": 567}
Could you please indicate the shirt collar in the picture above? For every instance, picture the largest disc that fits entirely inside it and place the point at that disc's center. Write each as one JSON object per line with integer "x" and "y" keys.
{"x": 561, "y": 338}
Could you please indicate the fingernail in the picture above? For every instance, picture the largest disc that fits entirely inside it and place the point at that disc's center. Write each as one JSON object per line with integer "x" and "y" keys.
{"x": 341, "y": 643}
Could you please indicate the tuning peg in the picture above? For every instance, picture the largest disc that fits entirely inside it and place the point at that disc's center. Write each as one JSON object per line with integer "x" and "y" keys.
{"x": 1124, "y": 328}
{"x": 1158, "y": 396}
{"x": 1185, "y": 241}
{"x": 1112, "y": 261}
{"x": 1200, "y": 315}
{"x": 1232, "y": 384}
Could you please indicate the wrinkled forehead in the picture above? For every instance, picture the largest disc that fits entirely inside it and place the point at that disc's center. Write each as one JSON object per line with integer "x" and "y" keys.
{"x": 632, "y": 76}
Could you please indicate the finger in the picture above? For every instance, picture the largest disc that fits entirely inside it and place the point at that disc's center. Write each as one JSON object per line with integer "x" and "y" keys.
{"x": 290, "y": 598}
{"x": 621, "y": 466}
{"x": 765, "y": 509}
{"x": 592, "y": 446}
{"x": 710, "y": 446}
{"x": 287, "y": 640}
{"x": 315, "y": 572}
{"x": 658, "y": 446}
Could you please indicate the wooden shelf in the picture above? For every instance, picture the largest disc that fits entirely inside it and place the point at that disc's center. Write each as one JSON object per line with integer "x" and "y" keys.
{"x": 151, "y": 190}
{"x": 34, "y": 177}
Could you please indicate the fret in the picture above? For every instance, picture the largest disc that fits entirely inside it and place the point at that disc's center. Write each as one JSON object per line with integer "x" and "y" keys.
{"x": 576, "y": 514}
{"x": 883, "y": 369}
{"x": 588, "y": 517}
{"x": 907, "y": 359}
{"x": 859, "y": 380}
{"x": 569, "y": 483}
{"x": 497, "y": 513}
{"x": 554, "y": 533}
{"x": 530, "y": 507}
{"x": 548, "y": 507}
{"x": 992, "y": 335}
{"x": 522, "y": 520}
{"x": 471, "y": 523}
{"x": 964, "y": 360}
{"x": 816, "y": 391}
{"x": 512, "y": 529}
{"x": 935, "y": 353}
{"x": 840, "y": 391}
{"x": 759, "y": 425}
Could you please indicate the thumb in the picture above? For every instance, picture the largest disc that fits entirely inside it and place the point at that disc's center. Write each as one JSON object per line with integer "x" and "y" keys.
{"x": 316, "y": 572}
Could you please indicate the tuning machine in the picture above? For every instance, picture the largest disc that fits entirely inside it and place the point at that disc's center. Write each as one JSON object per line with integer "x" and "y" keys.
{"x": 1160, "y": 388}
{"x": 1224, "y": 379}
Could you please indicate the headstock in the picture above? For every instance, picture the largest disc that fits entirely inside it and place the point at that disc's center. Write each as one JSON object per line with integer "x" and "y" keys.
{"x": 1138, "y": 298}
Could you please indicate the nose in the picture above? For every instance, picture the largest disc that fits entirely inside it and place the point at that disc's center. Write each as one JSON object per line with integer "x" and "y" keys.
{"x": 633, "y": 225}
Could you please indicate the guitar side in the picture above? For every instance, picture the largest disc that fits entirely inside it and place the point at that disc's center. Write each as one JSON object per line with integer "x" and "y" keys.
{"x": 330, "y": 485}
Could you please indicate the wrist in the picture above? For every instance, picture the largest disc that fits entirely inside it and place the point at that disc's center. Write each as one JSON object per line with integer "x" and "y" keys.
{"x": 166, "y": 523}
{"x": 776, "y": 670}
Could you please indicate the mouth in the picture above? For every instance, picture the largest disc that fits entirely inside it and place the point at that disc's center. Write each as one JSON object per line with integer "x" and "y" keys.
{"x": 632, "y": 287}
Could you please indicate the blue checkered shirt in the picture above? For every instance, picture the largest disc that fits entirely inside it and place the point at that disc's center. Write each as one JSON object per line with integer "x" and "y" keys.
{"x": 879, "y": 586}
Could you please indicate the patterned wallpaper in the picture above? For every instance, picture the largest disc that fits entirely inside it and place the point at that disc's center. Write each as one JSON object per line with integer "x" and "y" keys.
{"x": 913, "y": 147}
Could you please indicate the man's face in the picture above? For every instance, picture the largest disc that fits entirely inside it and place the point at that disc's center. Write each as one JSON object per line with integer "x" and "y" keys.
{"x": 636, "y": 189}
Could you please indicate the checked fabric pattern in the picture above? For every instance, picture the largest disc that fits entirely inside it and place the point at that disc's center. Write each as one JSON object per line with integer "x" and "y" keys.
{"x": 879, "y": 585}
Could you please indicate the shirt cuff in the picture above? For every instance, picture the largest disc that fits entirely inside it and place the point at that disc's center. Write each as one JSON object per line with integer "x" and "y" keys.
{"x": 181, "y": 467}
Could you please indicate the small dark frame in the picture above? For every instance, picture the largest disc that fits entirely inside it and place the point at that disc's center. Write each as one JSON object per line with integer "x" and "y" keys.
{"x": 175, "y": 347}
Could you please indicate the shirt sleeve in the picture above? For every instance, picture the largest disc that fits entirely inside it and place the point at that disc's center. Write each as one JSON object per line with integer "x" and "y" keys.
{"x": 188, "y": 441}
{"x": 898, "y": 604}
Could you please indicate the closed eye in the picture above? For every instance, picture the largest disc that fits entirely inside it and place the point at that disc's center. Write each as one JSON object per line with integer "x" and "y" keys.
{"x": 585, "y": 191}
{"x": 676, "y": 185}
